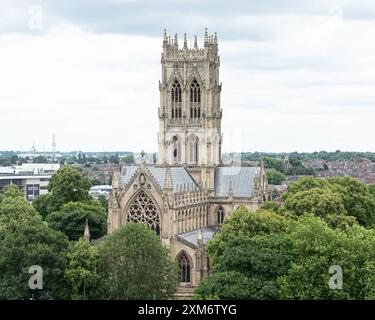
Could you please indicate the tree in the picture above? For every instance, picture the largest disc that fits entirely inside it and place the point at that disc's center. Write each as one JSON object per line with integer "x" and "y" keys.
{"x": 254, "y": 246}
{"x": 13, "y": 191}
{"x": 96, "y": 182}
{"x": 305, "y": 183}
{"x": 318, "y": 201}
{"x": 40, "y": 159}
{"x": 32, "y": 244}
{"x": 356, "y": 197}
{"x": 15, "y": 211}
{"x": 275, "y": 177}
{"x": 225, "y": 285}
{"x": 25, "y": 240}
{"x": 104, "y": 202}
{"x": 136, "y": 265}
{"x": 242, "y": 222}
{"x": 42, "y": 204}
{"x": 262, "y": 259}
{"x": 71, "y": 219}
{"x": 270, "y": 206}
{"x": 82, "y": 271}
{"x": 318, "y": 247}
{"x": 371, "y": 189}
{"x": 68, "y": 184}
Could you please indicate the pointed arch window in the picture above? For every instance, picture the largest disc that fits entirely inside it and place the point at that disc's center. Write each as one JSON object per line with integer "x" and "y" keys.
{"x": 195, "y": 99}
{"x": 176, "y": 150}
{"x": 176, "y": 99}
{"x": 143, "y": 210}
{"x": 194, "y": 149}
{"x": 220, "y": 214}
{"x": 184, "y": 267}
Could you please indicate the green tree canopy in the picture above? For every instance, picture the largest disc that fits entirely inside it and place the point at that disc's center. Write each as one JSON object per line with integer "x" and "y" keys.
{"x": 12, "y": 191}
{"x": 244, "y": 223}
{"x": 136, "y": 265}
{"x": 225, "y": 285}
{"x": 15, "y": 211}
{"x": 318, "y": 247}
{"x": 42, "y": 204}
{"x": 25, "y": 240}
{"x": 318, "y": 201}
{"x": 71, "y": 219}
{"x": 68, "y": 184}
{"x": 355, "y": 196}
{"x": 82, "y": 271}
{"x": 275, "y": 177}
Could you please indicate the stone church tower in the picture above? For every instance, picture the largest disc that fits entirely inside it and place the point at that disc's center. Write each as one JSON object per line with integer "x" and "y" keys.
{"x": 186, "y": 196}
{"x": 190, "y": 112}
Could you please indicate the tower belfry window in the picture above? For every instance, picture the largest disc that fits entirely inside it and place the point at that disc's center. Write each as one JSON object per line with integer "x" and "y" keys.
{"x": 176, "y": 99}
{"x": 195, "y": 99}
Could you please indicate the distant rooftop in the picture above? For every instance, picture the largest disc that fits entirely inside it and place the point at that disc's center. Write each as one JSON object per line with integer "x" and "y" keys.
{"x": 30, "y": 169}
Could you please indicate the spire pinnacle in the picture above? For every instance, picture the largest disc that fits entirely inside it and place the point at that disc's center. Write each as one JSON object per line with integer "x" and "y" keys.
{"x": 165, "y": 38}
{"x": 116, "y": 178}
{"x": 205, "y": 36}
{"x": 176, "y": 41}
{"x": 200, "y": 238}
{"x": 86, "y": 233}
{"x": 230, "y": 190}
{"x": 168, "y": 184}
{"x": 185, "y": 41}
{"x": 195, "y": 42}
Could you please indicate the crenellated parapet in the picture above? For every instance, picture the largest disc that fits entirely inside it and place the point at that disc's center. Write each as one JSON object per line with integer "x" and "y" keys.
{"x": 172, "y": 51}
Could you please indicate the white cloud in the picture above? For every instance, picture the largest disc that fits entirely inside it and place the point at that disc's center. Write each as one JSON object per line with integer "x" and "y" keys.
{"x": 307, "y": 85}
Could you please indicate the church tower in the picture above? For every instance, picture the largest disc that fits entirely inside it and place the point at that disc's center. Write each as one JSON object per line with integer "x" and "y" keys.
{"x": 190, "y": 112}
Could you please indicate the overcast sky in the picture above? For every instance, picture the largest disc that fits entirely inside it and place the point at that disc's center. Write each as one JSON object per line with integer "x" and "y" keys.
{"x": 297, "y": 75}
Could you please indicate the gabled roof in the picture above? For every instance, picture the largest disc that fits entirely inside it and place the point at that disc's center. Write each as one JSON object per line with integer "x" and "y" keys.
{"x": 179, "y": 176}
{"x": 241, "y": 180}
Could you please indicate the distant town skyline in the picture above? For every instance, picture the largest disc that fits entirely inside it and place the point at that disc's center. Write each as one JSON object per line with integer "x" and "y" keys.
{"x": 296, "y": 76}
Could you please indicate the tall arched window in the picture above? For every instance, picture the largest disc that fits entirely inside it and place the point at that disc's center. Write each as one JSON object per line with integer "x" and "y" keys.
{"x": 176, "y": 150}
{"x": 195, "y": 99}
{"x": 220, "y": 215}
{"x": 194, "y": 149}
{"x": 176, "y": 100}
{"x": 143, "y": 210}
{"x": 184, "y": 267}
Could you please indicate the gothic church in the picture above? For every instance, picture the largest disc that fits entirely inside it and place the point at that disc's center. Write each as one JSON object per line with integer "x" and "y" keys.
{"x": 188, "y": 192}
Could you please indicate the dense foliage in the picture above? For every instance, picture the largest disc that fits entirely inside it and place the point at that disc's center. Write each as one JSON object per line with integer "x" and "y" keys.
{"x": 25, "y": 240}
{"x": 136, "y": 265}
{"x": 133, "y": 255}
{"x": 285, "y": 251}
{"x": 71, "y": 219}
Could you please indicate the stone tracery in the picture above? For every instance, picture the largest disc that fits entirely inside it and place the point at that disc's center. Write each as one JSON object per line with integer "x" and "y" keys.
{"x": 144, "y": 210}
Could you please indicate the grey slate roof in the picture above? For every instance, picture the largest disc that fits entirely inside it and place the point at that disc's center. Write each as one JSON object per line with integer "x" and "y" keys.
{"x": 179, "y": 176}
{"x": 190, "y": 238}
{"x": 241, "y": 179}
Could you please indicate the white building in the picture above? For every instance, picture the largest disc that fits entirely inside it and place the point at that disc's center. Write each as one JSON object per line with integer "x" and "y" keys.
{"x": 102, "y": 190}
{"x": 31, "y": 178}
